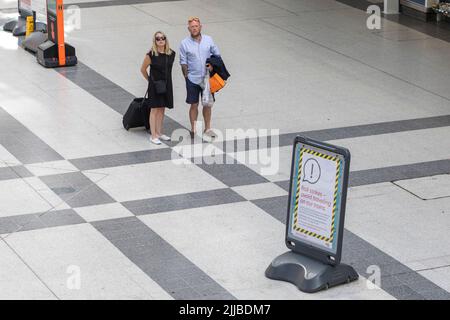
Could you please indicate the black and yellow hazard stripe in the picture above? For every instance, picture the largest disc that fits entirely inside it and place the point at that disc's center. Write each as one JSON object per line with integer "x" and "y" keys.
{"x": 313, "y": 234}
{"x": 336, "y": 187}
{"x": 297, "y": 194}
{"x": 318, "y": 154}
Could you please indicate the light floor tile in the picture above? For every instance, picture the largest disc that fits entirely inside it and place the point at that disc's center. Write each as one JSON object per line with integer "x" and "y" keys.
{"x": 18, "y": 197}
{"x": 200, "y": 151}
{"x": 260, "y": 191}
{"x": 111, "y": 16}
{"x": 432, "y": 263}
{"x": 51, "y": 167}
{"x": 105, "y": 273}
{"x": 307, "y": 6}
{"x": 7, "y": 4}
{"x": 355, "y": 42}
{"x": 243, "y": 9}
{"x": 7, "y": 159}
{"x": 17, "y": 280}
{"x": 440, "y": 276}
{"x": 398, "y": 223}
{"x": 73, "y": 122}
{"x": 397, "y": 148}
{"x": 234, "y": 244}
{"x": 174, "y": 13}
{"x": 103, "y": 212}
{"x": 155, "y": 179}
{"x": 429, "y": 187}
{"x": 402, "y": 35}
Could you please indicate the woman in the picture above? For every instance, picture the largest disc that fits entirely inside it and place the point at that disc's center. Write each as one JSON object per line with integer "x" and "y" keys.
{"x": 160, "y": 60}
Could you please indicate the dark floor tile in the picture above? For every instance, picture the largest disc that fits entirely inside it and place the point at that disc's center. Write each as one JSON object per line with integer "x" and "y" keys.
{"x": 435, "y": 295}
{"x": 405, "y": 293}
{"x": 23, "y": 144}
{"x": 158, "y": 259}
{"x": 183, "y": 201}
{"x": 284, "y": 184}
{"x": 234, "y": 174}
{"x": 76, "y": 189}
{"x": 14, "y": 172}
{"x": 35, "y": 221}
{"x": 410, "y": 171}
{"x": 276, "y": 207}
{"x": 20, "y": 223}
{"x": 8, "y": 225}
{"x": 60, "y": 218}
{"x": 122, "y": 159}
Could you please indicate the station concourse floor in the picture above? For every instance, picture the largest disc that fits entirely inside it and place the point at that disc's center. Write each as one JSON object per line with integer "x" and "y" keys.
{"x": 79, "y": 195}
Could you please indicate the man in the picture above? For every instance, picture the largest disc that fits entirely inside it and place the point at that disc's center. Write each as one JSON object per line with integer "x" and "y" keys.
{"x": 194, "y": 50}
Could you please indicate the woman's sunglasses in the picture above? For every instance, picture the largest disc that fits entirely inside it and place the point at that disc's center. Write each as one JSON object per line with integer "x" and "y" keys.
{"x": 160, "y": 38}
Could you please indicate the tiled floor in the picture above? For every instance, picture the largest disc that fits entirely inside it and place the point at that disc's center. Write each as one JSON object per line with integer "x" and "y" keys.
{"x": 89, "y": 210}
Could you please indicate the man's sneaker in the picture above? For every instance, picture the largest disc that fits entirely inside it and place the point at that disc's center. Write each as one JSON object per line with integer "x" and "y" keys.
{"x": 156, "y": 141}
{"x": 164, "y": 137}
{"x": 210, "y": 133}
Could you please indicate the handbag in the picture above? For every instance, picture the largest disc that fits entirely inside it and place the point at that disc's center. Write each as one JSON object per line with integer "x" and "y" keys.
{"x": 216, "y": 83}
{"x": 160, "y": 85}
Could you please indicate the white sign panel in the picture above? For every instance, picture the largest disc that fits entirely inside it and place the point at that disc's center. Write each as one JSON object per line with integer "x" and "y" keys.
{"x": 315, "y": 197}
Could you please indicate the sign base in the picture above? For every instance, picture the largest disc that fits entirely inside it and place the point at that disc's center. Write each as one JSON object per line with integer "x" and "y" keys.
{"x": 47, "y": 55}
{"x": 34, "y": 40}
{"x": 307, "y": 274}
{"x": 20, "y": 27}
{"x": 10, "y": 25}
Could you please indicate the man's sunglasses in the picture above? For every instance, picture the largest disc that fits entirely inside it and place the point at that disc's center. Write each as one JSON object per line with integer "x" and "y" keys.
{"x": 160, "y": 38}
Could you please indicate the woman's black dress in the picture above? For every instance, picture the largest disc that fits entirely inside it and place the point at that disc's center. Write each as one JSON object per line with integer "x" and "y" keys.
{"x": 158, "y": 69}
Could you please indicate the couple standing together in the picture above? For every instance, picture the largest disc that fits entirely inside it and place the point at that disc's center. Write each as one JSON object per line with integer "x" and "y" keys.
{"x": 194, "y": 50}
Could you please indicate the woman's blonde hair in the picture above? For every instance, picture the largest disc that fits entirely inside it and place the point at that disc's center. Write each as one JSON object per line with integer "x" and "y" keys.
{"x": 154, "y": 49}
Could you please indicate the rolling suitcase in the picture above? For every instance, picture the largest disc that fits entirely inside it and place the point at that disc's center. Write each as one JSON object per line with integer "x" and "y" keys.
{"x": 137, "y": 114}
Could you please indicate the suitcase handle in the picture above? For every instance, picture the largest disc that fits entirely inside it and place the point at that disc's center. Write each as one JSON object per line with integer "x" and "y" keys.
{"x": 145, "y": 95}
